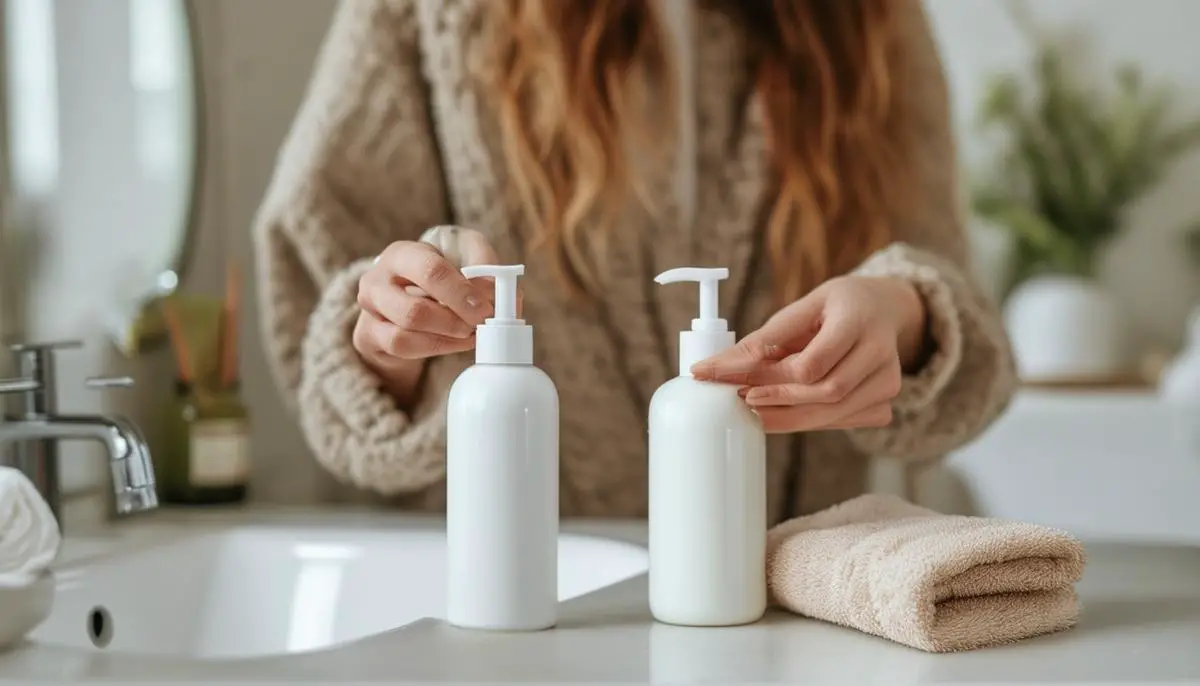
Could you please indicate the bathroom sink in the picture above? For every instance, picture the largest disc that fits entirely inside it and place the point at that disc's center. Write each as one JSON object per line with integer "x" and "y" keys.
{"x": 269, "y": 590}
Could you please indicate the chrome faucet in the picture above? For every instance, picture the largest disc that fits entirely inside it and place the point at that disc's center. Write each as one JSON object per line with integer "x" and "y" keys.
{"x": 32, "y": 435}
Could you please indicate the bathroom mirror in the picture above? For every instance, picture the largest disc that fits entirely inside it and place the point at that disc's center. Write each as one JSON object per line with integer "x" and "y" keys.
{"x": 102, "y": 115}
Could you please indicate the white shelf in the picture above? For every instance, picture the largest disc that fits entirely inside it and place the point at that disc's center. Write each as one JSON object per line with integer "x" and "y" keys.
{"x": 1102, "y": 464}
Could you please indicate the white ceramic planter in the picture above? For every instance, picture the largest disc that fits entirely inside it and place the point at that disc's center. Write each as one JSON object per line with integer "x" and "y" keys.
{"x": 1066, "y": 328}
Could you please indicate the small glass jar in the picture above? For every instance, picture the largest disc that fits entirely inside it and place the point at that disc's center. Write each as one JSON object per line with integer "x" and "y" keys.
{"x": 206, "y": 458}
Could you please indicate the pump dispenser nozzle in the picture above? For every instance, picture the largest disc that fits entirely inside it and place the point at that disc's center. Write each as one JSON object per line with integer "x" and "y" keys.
{"x": 710, "y": 334}
{"x": 503, "y": 338}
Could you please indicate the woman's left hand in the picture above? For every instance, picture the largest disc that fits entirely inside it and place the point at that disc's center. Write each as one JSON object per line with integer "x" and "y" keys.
{"x": 832, "y": 360}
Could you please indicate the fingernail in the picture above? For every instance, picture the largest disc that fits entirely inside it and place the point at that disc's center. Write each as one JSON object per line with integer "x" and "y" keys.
{"x": 481, "y": 307}
{"x": 744, "y": 391}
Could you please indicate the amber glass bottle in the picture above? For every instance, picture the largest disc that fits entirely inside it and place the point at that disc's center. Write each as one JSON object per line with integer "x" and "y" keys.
{"x": 206, "y": 458}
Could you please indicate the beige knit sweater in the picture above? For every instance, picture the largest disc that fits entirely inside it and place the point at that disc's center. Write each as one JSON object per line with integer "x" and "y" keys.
{"x": 394, "y": 137}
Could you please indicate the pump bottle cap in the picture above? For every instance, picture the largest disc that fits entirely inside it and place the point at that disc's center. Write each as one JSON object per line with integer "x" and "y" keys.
{"x": 502, "y": 339}
{"x": 710, "y": 334}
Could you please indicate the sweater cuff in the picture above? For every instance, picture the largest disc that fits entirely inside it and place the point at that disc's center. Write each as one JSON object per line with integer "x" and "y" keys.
{"x": 944, "y": 325}
{"x": 349, "y": 419}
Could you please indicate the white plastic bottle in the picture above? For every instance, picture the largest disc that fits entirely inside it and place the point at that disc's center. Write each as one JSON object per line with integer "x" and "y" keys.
{"x": 708, "y": 512}
{"x": 502, "y": 477}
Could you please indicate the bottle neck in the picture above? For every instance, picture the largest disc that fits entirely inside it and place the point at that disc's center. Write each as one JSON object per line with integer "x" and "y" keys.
{"x": 504, "y": 343}
{"x": 696, "y": 346}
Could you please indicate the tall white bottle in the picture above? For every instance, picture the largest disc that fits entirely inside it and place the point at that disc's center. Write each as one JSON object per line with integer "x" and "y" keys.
{"x": 708, "y": 511}
{"x": 502, "y": 477}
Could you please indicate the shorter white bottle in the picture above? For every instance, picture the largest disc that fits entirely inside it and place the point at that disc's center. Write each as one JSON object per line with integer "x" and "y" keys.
{"x": 502, "y": 477}
{"x": 708, "y": 511}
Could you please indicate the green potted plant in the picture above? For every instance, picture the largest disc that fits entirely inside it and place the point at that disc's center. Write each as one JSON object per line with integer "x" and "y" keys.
{"x": 1071, "y": 161}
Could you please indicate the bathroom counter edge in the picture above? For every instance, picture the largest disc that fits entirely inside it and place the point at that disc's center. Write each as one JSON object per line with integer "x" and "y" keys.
{"x": 1140, "y": 624}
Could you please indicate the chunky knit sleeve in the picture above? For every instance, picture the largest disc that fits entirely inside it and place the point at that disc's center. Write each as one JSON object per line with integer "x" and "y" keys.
{"x": 359, "y": 169}
{"x": 969, "y": 378}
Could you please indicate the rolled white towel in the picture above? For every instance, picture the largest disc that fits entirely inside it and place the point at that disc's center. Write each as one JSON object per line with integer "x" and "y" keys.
{"x": 29, "y": 535}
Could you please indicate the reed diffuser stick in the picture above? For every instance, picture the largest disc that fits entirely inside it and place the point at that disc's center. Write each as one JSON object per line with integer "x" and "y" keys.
{"x": 229, "y": 326}
{"x": 183, "y": 358}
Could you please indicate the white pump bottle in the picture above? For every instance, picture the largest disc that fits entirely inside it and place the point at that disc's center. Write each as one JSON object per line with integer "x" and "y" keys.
{"x": 708, "y": 511}
{"x": 502, "y": 477}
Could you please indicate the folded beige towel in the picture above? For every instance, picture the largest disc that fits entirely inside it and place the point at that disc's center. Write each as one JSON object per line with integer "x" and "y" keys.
{"x": 935, "y": 582}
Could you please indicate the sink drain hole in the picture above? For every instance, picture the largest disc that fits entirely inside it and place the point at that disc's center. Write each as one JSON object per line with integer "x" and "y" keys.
{"x": 100, "y": 627}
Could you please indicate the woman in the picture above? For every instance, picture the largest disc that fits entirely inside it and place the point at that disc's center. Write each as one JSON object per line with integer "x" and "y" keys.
{"x": 803, "y": 144}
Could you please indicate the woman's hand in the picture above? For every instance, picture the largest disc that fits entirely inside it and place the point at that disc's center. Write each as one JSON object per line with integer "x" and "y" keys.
{"x": 831, "y": 360}
{"x": 416, "y": 304}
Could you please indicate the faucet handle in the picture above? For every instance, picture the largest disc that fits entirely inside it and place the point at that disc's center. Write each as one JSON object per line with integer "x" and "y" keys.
{"x": 19, "y": 386}
{"x": 48, "y": 345}
{"x": 109, "y": 382}
{"x": 38, "y": 354}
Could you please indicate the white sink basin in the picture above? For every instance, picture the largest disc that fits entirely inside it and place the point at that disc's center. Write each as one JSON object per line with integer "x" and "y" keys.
{"x": 256, "y": 591}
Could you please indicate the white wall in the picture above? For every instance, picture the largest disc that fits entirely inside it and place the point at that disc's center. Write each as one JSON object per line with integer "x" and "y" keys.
{"x": 258, "y": 56}
{"x": 1146, "y": 269}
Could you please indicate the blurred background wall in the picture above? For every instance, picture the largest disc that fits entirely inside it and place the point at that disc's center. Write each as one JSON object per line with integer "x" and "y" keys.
{"x": 255, "y": 60}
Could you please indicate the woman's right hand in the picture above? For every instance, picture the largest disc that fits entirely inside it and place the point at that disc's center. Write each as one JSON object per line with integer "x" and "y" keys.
{"x": 416, "y": 304}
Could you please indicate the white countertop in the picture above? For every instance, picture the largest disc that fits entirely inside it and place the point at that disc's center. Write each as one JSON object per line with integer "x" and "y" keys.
{"x": 1140, "y": 624}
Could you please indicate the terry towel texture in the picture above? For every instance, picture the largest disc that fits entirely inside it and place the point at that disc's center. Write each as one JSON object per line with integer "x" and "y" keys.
{"x": 935, "y": 582}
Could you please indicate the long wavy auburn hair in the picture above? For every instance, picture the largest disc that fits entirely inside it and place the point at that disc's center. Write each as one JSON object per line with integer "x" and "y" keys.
{"x": 572, "y": 77}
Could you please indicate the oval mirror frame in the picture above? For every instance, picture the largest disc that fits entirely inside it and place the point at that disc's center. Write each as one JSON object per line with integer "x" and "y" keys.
{"x": 138, "y": 327}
